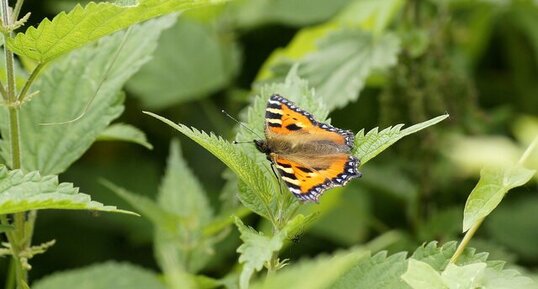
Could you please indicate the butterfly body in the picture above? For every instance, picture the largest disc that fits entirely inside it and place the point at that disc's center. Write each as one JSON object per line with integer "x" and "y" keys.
{"x": 310, "y": 156}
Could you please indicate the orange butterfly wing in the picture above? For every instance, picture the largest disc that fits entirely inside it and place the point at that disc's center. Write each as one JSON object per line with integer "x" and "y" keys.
{"x": 283, "y": 117}
{"x": 308, "y": 174}
{"x": 309, "y": 183}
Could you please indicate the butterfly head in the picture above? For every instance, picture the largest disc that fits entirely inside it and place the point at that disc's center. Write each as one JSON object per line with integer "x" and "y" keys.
{"x": 262, "y": 146}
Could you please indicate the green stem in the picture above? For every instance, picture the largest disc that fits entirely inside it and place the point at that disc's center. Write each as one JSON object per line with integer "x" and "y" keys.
{"x": 16, "y": 237}
{"x": 468, "y": 236}
{"x": 528, "y": 151}
{"x": 29, "y": 82}
{"x": 17, "y": 9}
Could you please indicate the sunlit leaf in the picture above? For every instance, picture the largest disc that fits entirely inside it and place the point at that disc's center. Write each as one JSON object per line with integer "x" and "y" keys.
{"x": 494, "y": 183}
{"x": 375, "y": 141}
{"x": 79, "y": 96}
{"x": 21, "y": 192}
{"x": 319, "y": 273}
{"x": 420, "y": 275}
{"x": 83, "y": 25}
{"x": 102, "y": 276}
{"x": 124, "y": 132}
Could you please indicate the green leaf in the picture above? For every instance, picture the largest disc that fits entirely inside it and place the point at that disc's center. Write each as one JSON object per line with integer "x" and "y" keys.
{"x": 255, "y": 251}
{"x": 342, "y": 62}
{"x": 241, "y": 164}
{"x": 374, "y": 142}
{"x": 420, "y": 275}
{"x": 493, "y": 279}
{"x": 319, "y": 273}
{"x": 191, "y": 61}
{"x": 102, "y": 276}
{"x": 21, "y": 192}
{"x": 439, "y": 256}
{"x": 124, "y": 132}
{"x": 370, "y": 15}
{"x": 467, "y": 276}
{"x": 83, "y": 25}
{"x": 494, "y": 183}
{"x": 181, "y": 193}
{"x": 78, "y": 98}
{"x": 378, "y": 271}
{"x": 148, "y": 208}
{"x": 296, "y": 13}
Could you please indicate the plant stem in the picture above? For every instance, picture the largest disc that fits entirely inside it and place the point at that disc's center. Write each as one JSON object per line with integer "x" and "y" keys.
{"x": 17, "y": 10}
{"x": 29, "y": 82}
{"x": 16, "y": 237}
{"x": 468, "y": 236}
{"x": 528, "y": 151}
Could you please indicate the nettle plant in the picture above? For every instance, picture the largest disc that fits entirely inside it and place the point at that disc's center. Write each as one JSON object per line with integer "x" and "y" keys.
{"x": 65, "y": 96}
{"x": 430, "y": 266}
{"x": 60, "y": 101}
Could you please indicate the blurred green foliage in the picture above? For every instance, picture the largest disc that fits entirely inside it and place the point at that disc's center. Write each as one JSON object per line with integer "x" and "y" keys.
{"x": 370, "y": 63}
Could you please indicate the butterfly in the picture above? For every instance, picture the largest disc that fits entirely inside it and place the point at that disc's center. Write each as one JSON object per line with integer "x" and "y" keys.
{"x": 310, "y": 156}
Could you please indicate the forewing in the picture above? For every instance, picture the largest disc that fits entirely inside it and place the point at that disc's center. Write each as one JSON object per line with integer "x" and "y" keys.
{"x": 284, "y": 118}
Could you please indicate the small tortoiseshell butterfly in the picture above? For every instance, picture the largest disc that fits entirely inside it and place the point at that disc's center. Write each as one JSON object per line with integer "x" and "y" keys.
{"x": 310, "y": 156}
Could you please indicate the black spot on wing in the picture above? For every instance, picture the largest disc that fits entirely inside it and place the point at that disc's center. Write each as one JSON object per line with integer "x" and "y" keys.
{"x": 293, "y": 127}
{"x": 274, "y": 124}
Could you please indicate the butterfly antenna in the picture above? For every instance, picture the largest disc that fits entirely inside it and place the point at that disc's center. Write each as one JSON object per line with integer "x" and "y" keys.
{"x": 241, "y": 124}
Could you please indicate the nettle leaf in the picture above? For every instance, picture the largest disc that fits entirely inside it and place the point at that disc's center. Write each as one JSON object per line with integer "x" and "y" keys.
{"x": 124, "y": 132}
{"x": 378, "y": 271}
{"x": 192, "y": 60}
{"x": 374, "y": 142}
{"x": 79, "y": 96}
{"x": 421, "y": 275}
{"x": 369, "y": 16}
{"x": 439, "y": 256}
{"x": 21, "y": 192}
{"x": 494, "y": 183}
{"x": 83, "y": 25}
{"x": 338, "y": 70}
{"x": 255, "y": 251}
{"x": 182, "y": 194}
{"x": 319, "y": 273}
{"x": 232, "y": 156}
{"x": 148, "y": 208}
{"x": 102, "y": 276}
